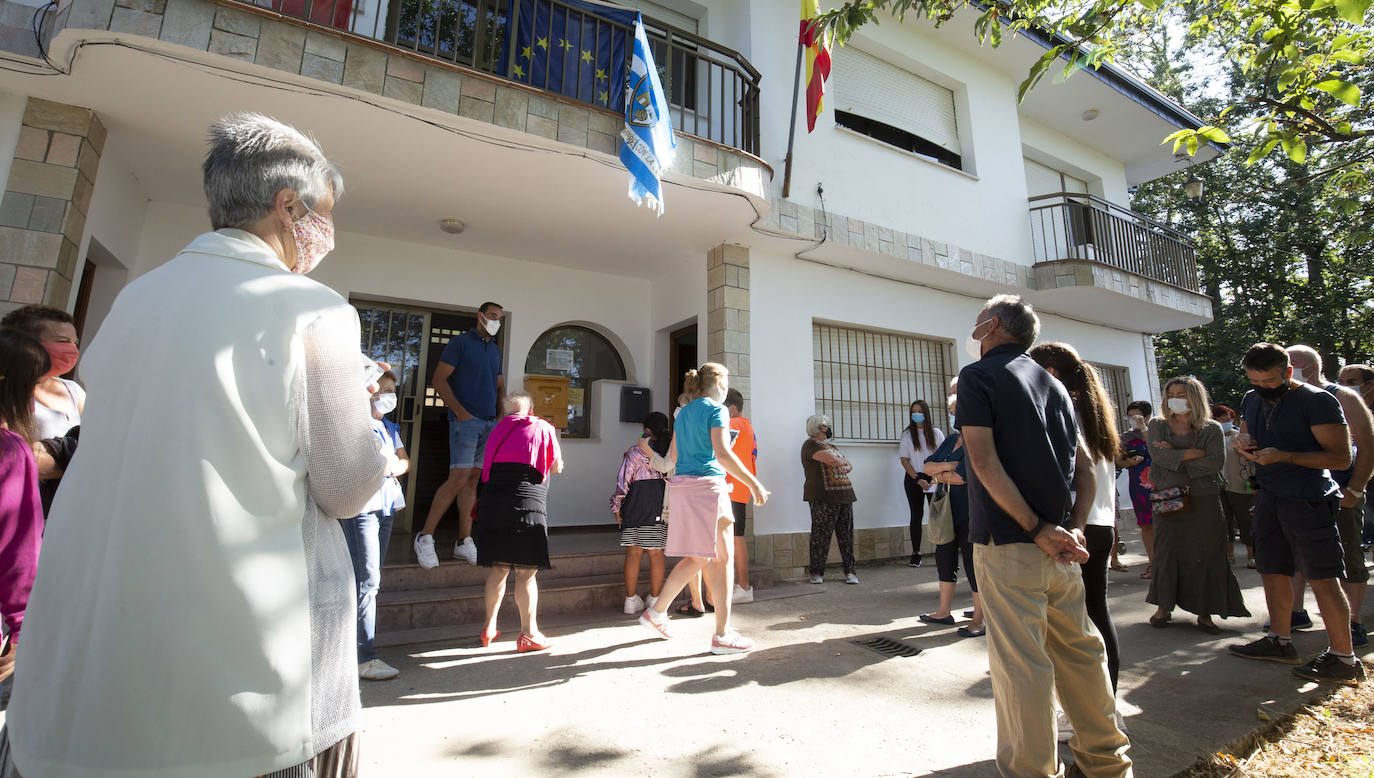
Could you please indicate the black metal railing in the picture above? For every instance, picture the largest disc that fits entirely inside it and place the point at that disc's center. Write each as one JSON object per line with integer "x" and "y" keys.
{"x": 713, "y": 92}
{"x": 1068, "y": 225}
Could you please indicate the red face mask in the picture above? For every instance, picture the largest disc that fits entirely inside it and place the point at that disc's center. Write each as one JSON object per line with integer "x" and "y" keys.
{"x": 61, "y": 357}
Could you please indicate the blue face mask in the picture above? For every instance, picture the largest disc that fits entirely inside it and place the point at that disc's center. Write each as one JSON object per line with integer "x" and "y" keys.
{"x": 951, "y": 421}
{"x": 918, "y": 418}
{"x": 1227, "y": 427}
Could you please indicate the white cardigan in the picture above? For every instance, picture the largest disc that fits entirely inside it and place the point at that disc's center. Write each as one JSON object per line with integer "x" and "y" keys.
{"x": 194, "y": 611}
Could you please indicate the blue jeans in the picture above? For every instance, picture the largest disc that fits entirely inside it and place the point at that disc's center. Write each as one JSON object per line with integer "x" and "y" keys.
{"x": 368, "y": 536}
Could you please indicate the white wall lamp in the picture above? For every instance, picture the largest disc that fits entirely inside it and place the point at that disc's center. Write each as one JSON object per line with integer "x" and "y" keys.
{"x": 452, "y": 226}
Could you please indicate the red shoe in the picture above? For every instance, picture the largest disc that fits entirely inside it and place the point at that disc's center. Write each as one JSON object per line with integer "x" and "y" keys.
{"x": 488, "y": 638}
{"x": 527, "y": 643}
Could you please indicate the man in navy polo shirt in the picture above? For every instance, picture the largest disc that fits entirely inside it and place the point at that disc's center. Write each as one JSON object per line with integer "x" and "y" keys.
{"x": 1025, "y": 459}
{"x": 469, "y": 381}
{"x": 1296, "y": 434}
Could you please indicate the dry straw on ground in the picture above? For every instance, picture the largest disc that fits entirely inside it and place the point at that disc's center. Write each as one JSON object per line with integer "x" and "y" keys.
{"x": 1328, "y": 738}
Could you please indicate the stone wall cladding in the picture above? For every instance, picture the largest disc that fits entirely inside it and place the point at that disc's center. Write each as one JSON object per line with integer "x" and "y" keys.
{"x": 43, "y": 210}
{"x": 789, "y": 553}
{"x": 261, "y": 38}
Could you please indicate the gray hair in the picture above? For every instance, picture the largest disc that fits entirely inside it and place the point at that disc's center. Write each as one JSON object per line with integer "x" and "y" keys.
{"x": 251, "y": 158}
{"x": 814, "y": 424}
{"x": 1313, "y": 358}
{"x": 1017, "y": 317}
{"x": 518, "y": 403}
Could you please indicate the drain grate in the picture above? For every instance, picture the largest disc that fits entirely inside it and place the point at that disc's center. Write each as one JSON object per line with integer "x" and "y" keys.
{"x": 888, "y": 646}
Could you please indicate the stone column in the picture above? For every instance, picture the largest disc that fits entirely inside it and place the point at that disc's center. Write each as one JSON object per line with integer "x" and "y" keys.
{"x": 43, "y": 212}
{"x": 727, "y": 313}
{"x": 1152, "y": 371}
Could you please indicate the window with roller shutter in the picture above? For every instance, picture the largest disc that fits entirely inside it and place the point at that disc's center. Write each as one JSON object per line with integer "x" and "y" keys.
{"x": 895, "y": 106}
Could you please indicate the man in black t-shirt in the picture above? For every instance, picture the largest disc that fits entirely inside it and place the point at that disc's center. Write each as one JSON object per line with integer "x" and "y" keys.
{"x": 1024, "y": 458}
{"x": 1295, "y": 434}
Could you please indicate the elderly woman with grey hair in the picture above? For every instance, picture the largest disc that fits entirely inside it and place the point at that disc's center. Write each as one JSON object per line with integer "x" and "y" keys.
{"x": 831, "y": 495}
{"x": 195, "y": 611}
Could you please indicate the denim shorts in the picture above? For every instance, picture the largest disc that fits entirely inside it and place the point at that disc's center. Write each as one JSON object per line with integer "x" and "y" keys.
{"x": 467, "y": 441}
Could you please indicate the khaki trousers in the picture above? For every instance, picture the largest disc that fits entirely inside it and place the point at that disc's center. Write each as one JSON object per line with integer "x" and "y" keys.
{"x": 1040, "y": 641}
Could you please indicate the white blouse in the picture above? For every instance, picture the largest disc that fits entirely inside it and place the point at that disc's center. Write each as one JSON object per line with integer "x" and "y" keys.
{"x": 194, "y": 611}
{"x": 918, "y": 454}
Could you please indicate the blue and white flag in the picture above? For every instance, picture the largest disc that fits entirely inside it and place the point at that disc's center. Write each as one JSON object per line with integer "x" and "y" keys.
{"x": 647, "y": 138}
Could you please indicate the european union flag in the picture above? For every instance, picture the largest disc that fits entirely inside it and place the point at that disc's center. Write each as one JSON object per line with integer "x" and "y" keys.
{"x": 573, "y": 48}
{"x": 647, "y": 138}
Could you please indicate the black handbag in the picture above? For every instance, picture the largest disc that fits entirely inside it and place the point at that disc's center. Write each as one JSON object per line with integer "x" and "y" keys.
{"x": 643, "y": 505}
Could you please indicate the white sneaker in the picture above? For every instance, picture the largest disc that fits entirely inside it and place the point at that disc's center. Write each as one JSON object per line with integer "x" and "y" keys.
{"x": 424, "y": 549}
{"x": 851, "y": 578}
{"x": 742, "y": 595}
{"x": 465, "y": 551}
{"x": 731, "y": 643}
{"x": 650, "y": 601}
{"x": 656, "y": 623}
{"x": 817, "y": 579}
{"x": 377, "y": 670}
{"x": 634, "y": 605}
{"x": 1062, "y": 725}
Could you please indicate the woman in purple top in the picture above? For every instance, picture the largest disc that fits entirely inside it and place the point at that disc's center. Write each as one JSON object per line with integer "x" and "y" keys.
{"x": 1136, "y": 456}
{"x": 23, "y": 361}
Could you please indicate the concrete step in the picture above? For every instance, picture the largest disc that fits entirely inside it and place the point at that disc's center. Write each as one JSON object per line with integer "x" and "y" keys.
{"x": 403, "y": 614}
{"x": 451, "y": 573}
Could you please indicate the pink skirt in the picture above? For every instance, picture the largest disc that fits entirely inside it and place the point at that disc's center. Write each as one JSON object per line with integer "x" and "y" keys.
{"x": 695, "y": 506}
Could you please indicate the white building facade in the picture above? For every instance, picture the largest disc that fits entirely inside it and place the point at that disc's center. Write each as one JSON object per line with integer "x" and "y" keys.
{"x": 925, "y": 189}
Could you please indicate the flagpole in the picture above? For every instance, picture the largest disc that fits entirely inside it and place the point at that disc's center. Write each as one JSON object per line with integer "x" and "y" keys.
{"x": 792, "y": 128}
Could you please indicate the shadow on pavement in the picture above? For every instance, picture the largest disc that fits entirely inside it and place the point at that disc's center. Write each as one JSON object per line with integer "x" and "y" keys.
{"x": 569, "y": 756}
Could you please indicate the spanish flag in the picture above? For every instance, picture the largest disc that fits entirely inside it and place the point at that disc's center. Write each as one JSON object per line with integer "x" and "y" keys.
{"x": 817, "y": 61}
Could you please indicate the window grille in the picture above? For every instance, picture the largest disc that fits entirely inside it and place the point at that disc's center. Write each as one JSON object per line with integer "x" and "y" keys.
{"x": 865, "y": 380}
{"x": 1116, "y": 381}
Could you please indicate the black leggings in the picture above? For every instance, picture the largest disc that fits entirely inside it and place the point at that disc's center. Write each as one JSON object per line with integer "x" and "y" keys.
{"x": 1100, "y": 540}
{"x": 916, "y": 499}
{"x": 947, "y": 558}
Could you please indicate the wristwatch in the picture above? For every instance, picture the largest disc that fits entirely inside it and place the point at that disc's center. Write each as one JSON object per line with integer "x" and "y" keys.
{"x": 1034, "y": 531}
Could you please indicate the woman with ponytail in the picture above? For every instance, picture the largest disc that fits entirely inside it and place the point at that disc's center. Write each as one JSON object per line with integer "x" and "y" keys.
{"x": 699, "y": 500}
{"x": 1097, "y": 428}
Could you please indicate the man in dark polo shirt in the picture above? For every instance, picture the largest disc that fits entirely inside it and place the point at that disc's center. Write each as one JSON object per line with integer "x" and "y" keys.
{"x": 469, "y": 381}
{"x": 1022, "y": 441}
{"x": 1295, "y": 434}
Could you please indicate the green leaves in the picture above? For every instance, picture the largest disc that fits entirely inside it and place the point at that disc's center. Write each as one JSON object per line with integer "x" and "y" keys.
{"x": 1352, "y": 11}
{"x": 1294, "y": 148}
{"x": 1344, "y": 91}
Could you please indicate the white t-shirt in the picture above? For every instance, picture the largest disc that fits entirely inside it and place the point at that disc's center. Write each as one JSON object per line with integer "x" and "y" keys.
{"x": 918, "y": 453}
{"x": 1104, "y": 501}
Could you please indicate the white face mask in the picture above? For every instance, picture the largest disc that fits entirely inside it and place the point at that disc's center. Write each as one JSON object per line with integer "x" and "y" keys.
{"x": 717, "y": 393}
{"x": 1179, "y": 405}
{"x": 384, "y": 403}
{"x": 1138, "y": 422}
{"x": 973, "y": 344}
{"x": 492, "y": 326}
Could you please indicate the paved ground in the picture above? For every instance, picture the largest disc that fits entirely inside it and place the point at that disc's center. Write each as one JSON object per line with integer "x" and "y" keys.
{"x": 611, "y": 700}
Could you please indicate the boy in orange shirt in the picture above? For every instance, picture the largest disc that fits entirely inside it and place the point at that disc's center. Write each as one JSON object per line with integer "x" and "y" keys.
{"x": 745, "y": 446}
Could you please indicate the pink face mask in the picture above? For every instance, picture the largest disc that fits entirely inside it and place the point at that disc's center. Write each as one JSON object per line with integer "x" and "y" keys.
{"x": 61, "y": 358}
{"x": 314, "y": 239}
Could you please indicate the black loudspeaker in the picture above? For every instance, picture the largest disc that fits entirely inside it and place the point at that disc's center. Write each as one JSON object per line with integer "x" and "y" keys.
{"x": 636, "y": 402}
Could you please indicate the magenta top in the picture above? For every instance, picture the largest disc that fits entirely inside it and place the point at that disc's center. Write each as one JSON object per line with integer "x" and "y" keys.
{"x": 525, "y": 440}
{"x": 21, "y": 528}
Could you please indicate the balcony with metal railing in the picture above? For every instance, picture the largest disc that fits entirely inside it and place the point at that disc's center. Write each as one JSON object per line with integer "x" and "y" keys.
{"x": 1110, "y": 264}
{"x": 564, "y": 49}
{"x": 1067, "y": 226}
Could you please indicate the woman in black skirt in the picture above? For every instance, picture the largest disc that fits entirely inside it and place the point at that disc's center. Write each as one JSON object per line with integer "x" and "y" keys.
{"x": 511, "y": 527}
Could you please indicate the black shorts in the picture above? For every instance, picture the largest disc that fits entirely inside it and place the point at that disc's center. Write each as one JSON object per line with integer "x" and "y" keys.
{"x": 738, "y": 508}
{"x": 1350, "y": 523}
{"x": 1297, "y": 536}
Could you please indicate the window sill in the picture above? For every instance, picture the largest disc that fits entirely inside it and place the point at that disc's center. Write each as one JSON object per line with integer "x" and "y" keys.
{"x": 910, "y": 155}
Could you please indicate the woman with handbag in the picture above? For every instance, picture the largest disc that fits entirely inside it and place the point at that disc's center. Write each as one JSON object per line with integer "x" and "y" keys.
{"x": 1191, "y": 570}
{"x": 640, "y": 493}
{"x": 949, "y": 510}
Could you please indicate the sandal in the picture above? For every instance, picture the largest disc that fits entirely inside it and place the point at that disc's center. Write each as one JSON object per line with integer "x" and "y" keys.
{"x": 1120, "y": 568}
{"x": 1149, "y": 572}
{"x": 1160, "y": 621}
{"x": 686, "y": 609}
{"x": 1210, "y": 627}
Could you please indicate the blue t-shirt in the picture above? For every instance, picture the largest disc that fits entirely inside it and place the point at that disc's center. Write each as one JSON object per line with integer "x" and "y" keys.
{"x": 1287, "y": 426}
{"x": 692, "y": 431}
{"x": 476, "y": 365}
{"x": 391, "y": 497}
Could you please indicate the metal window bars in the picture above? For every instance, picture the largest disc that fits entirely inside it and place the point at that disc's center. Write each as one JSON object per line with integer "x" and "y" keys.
{"x": 713, "y": 91}
{"x": 1116, "y": 382}
{"x": 865, "y": 380}
{"x": 1073, "y": 226}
